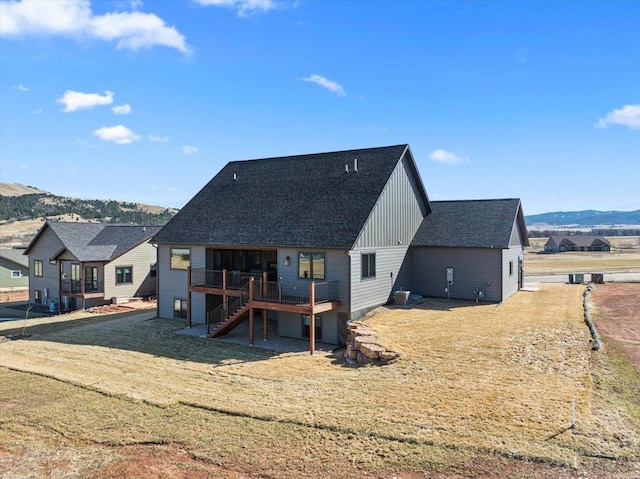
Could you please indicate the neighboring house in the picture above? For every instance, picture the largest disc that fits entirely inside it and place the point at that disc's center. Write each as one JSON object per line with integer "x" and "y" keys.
{"x": 14, "y": 268}
{"x": 559, "y": 244}
{"x": 311, "y": 241}
{"x": 80, "y": 265}
{"x": 482, "y": 241}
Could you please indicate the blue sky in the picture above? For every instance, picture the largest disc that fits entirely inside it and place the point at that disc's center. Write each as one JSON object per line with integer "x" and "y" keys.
{"x": 146, "y": 101}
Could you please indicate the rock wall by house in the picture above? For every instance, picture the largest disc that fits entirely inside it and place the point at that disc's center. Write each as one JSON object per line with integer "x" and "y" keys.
{"x": 362, "y": 347}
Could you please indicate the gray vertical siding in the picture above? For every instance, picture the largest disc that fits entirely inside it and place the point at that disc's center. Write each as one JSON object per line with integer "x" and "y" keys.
{"x": 398, "y": 213}
{"x": 473, "y": 268}
{"x": 393, "y": 272}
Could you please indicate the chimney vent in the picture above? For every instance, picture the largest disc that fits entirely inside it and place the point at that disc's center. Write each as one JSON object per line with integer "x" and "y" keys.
{"x": 235, "y": 177}
{"x": 355, "y": 165}
{"x": 346, "y": 168}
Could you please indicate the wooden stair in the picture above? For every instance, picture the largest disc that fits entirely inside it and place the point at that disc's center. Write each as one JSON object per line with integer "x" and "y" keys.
{"x": 231, "y": 322}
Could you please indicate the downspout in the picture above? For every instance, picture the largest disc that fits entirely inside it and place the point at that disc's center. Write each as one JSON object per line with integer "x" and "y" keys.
{"x": 157, "y": 280}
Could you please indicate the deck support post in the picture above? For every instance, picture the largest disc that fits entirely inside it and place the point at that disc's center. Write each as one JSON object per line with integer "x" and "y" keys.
{"x": 265, "y": 324}
{"x": 312, "y": 318}
{"x": 189, "y": 296}
{"x": 251, "y": 310}
{"x": 225, "y": 298}
{"x": 83, "y": 279}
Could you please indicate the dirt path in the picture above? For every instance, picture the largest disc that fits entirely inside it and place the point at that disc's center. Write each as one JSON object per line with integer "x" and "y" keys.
{"x": 617, "y": 316}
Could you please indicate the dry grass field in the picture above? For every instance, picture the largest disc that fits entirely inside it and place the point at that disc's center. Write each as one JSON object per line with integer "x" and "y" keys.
{"x": 479, "y": 390}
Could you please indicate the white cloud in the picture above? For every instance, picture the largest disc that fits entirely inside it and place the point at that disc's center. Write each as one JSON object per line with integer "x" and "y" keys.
{"x": 158, "y": 139}
{"x": 326, "y": 83}
{"x": 189, "y": 150}
{"x": 120, "y": 134}
{"x": 446, "y": 157}
{"x": 24, "y": 165}
{"x": 628, "y": 115}
{"x": 21, "y": 88}
{"x": 84, "y": 143}
{"x": 378, "y": 128}
{"x": 244, "y": 7}
{"x": 121, "y": 109}
{"x": 74, "y": 19}
{"x": 37, "y": 111}
{"x": 75, "y": 100}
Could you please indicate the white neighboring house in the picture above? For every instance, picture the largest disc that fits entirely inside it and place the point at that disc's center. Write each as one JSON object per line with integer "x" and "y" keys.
{"x": 80, "y": 265}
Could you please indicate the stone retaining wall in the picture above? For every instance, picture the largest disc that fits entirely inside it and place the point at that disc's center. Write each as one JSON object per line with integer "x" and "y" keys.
{"x": 362, "y": 347}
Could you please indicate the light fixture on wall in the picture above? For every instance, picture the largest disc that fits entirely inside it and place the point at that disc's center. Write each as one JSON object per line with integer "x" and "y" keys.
{"x": 287, "y": 261}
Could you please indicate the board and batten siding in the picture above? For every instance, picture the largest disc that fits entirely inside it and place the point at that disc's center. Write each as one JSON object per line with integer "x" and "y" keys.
{"x": 393, "y": 272}
{"x": 47, "y": 246}
{"x": 397, "y": 214}
{"x": 140, "y": 259}
{"x": 473, "y": 268}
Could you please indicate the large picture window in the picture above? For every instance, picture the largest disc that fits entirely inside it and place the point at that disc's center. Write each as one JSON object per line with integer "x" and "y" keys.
{"x": 180, "y": 258}
{"x": 311, "y": 265}
{"x": 180, "y": 308}
{"x": 368, "y": 265}
{"x": 37, "y": 267}
{"x": 75, "y": 272}
{"x": 124, "y": 274}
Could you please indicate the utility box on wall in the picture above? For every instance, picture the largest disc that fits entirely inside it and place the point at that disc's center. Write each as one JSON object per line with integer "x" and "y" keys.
{"x": 450, "y": 275}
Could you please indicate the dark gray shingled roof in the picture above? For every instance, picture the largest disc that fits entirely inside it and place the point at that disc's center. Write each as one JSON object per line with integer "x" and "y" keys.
{"x": 297, "y": 201}
{"x": 97, "y": 241}
{"x": 471, "y": 224}
{"x": 582, "y": 241}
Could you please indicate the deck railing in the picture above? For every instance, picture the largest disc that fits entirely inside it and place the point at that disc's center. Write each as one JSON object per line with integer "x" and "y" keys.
{"x": 72, "y": 286}
{"x": 293, "y": 292}
{"x": 222, "y": 279}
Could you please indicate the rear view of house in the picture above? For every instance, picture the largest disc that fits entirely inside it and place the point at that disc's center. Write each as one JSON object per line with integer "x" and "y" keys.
{"x": 79, "y": 265}
{"x": 324, "y": 236}
{"x": 314, "y": 241}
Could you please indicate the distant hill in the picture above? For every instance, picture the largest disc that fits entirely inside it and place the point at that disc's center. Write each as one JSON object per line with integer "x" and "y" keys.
{"x": 587, "y": 218}
{"x": 15, "y": 189}
{"x": 19, "y": 202}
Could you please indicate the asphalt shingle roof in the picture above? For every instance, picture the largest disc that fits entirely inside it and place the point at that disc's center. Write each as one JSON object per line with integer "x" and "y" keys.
{"x": 99, "y": 241}
{"x": 580, "y": 240}
{"x": 16, "y": 256}
{"x": 298, "y": 201}
{"x": 471, "y": 224}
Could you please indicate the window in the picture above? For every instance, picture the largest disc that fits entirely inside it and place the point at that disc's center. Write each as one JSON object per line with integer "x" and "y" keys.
{"x": 37, "y": 296}
{"x": 75, "y": 272}
{"x": 180, "y": 258}
{"x": 510, "y": 268}
{"x": 311, "y": 265}
{"x": 124, "y": 274}
{"x": 16, "y": 274}
{"x": 37, "y": 267}
{"x": 180, "y": 308}
{"x": 306, "y": 326}
{"x": 368, "y": 265}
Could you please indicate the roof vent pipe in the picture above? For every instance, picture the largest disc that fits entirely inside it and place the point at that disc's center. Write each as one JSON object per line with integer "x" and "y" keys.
{"x": 346, "y": 168}
{"x": 355, "y": 165}
{"x": 235, "y": 177}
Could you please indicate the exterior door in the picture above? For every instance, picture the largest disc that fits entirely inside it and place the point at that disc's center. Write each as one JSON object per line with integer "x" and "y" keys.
{"x": 90, "y": 278}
